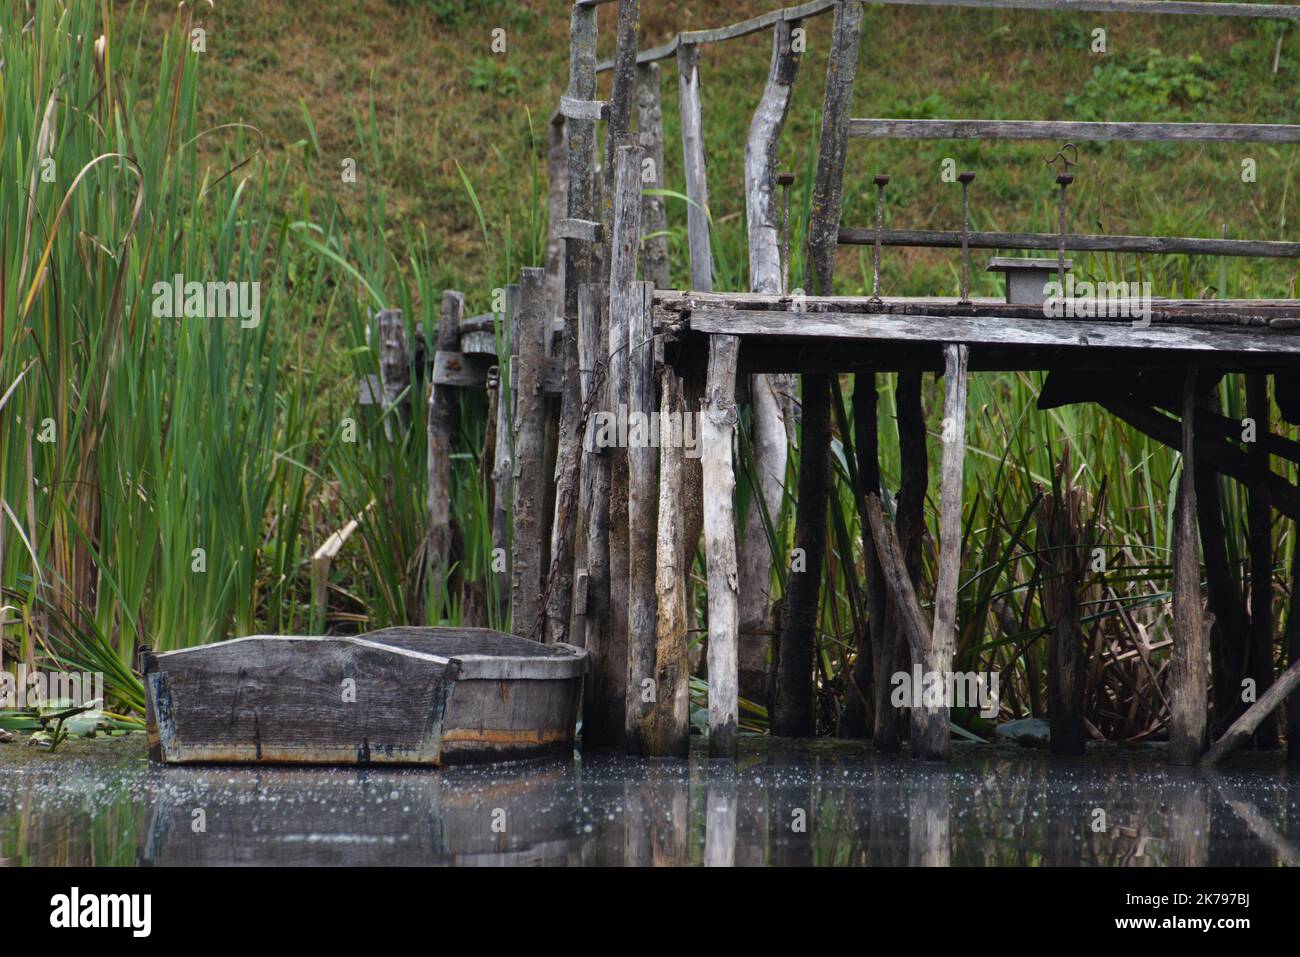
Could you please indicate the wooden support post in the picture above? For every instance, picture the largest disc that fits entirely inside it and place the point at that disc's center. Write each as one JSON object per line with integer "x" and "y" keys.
{"x": 602, "y": 713}
{"x": 590, "y": 299}
{"x": 1188, "y": 700}
{"x": 625, "y": 299}
{"x": 394, "y": 367}
{"x": 503, "y": 459}
{"x": 618, "y": 131}
{"x": 860, "y": 710}
{"x": 693, "y": 161}
{"x": 933, "y": 741}
{"x": 530, "y": 453}
{"x": 768, "y": 410}
{"x": 443, "y": 406}
{"x": 669, "y": 728}
{"x": 718, "y": 420}
{"x": 654, "y": 219}
{"x": 1061, "y": 567}
{"x": 558, "y": 206}
{"x": 1260, "y": 538}
{"x": 642, "y": 515}
{"x": 581, "y": 205}
{"x": 792, "y": 712}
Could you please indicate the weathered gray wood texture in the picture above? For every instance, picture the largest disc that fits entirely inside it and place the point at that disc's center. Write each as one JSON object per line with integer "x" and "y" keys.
{"x": 642, "y": 513}
{"x": 1063, "y": 130}
{"x": 443, "y": 406}
{"x": 526, "y": 581}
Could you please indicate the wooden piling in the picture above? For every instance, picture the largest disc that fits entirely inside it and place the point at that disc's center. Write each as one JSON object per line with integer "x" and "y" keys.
{"x": 860, "y": 710}
{"x": 580, "y": 205}
{"x": 503, "y": 461}
{"x": 770, "y": 448}
{"x": 914, "y": 481}
{"x": 443, "y": 406}
{"x": 718, "y": 419}
{"x": 603, "y": 704}
{"x": 1255, "y": 715}
{"x": 625, "y": 299}
{"x": 642, "y": 513}
{"x": 934, "y": 740}
{"x": 1188, "y": 699}
{"x": 792, "y": 708}
{"x": 1060, "y": 570}
{"x": 668, "y": 731}
{"x": 1260, "y": 542}
{"x": 530, "y": 455}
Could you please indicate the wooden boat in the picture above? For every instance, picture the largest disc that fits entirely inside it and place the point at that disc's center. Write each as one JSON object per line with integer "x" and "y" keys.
{"x": 427, "y": 696}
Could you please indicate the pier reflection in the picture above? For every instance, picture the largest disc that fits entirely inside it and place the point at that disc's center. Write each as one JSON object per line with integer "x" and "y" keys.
{"x": 778, "y": 803}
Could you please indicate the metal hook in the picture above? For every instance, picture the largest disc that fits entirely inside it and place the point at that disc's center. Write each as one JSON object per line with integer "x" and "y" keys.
{"x": 1066, "y": 161}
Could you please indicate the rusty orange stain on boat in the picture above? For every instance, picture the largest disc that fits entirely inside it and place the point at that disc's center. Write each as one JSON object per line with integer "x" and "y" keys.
{"x": 504, "y": 736}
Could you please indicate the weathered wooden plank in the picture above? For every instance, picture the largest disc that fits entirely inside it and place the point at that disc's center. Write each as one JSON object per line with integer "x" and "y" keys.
{"x": 583, "y": 109}
{"x": 934, "y": 741}
{"x": 991, "y": 330}
{"x": 460, "y": 370}
{"x": 1079, "y": 242}
{"x": 619, "y": 128}
{"x": 1246, "y": 725}
{"x": 583, "y": 230}
{"x": 589, "y": 304}
{"x": 668, "y": 730}
{"x": 1075, "y": 131}
{"x": 529, "y": 458}
{"x": 694, "y": 164}
{"x": 552, "y": 377}
{"x": 642, "y": 521}
{"x": 1188, "y": 677}
{"x": 899, "y": 583}
{"x": 718, "y": 418}
{"x": 1263, "y": 11}
{"x": 769, "y": 444}
{"x": 443, "y": 408}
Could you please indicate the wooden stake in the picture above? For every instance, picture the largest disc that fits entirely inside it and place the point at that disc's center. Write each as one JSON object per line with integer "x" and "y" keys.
{"x": 669, "y": 727}
{"x": 769, "y": 439}
{"x": 394, "y": 366}
{"x": 693, "y": 161}
{"x": 934, "y": 740}
{"x": 642, "y": 519}
{"x": 503, "y": 461}
{"x": 1188, "y": 700}
{"x": 860, "y": 711}
{"x": 443, "y": 406}
{"x": 1255, "y": 715}
{"x": 1260, "y": 538}
{"x": 530, "y": 454}
{"x": 581, "y": 205}
{"x": 602, "y": 713}
{"x": 589, "y": 304}
{"x": 654, "y": 219}
{"x": 717, "y": 428}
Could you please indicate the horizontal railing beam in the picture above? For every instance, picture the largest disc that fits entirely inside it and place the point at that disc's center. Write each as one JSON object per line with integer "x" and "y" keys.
{"x": 1256, "y": 11}
{"x": 1080, "y": 131}
{"x": 1078, "y": 242}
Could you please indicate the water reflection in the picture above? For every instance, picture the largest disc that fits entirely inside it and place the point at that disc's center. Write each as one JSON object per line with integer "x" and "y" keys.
{"x": 828, "y": 803}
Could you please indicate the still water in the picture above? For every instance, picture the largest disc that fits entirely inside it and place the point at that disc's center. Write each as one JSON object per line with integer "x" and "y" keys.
{"x": 821, "y": 803}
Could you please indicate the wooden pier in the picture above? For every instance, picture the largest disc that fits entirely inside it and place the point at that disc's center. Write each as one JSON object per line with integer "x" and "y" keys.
{"x": 601, "y": 554}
